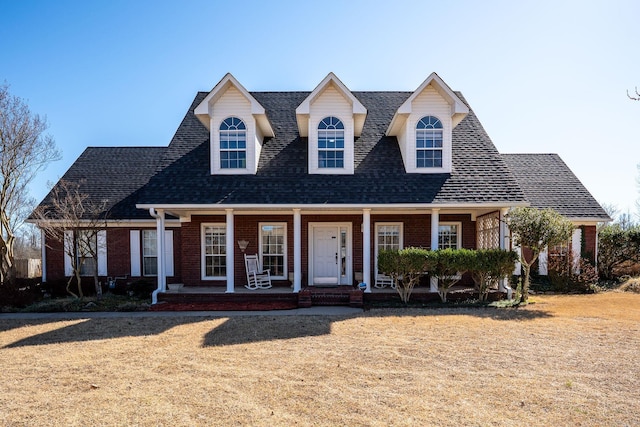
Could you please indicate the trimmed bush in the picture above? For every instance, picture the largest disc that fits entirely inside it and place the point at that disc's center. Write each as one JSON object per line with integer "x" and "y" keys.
{"x": 488, "y": 267}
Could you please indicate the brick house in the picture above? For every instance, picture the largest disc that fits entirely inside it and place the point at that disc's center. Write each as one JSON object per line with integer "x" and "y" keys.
{"x": 314, "y": 183}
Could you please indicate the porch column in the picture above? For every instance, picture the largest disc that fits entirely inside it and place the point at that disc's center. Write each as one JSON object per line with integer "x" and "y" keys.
{"x": 435, "y": 222}
{"x": 230, "y": 252}
{"x": 366, "y": 248}
{"x": 503, "y": 284}
{"x": 297, "y": 250}
{"x": 160, "y": 242}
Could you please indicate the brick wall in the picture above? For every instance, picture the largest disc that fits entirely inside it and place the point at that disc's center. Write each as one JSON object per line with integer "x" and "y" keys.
{"x": 118, "y": 254}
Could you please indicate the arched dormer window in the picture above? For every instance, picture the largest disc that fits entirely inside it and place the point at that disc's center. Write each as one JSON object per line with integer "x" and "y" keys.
{"x": 331, "y": 143}
{"x": 429, "y": 143}
{"x": 233, "y": 144}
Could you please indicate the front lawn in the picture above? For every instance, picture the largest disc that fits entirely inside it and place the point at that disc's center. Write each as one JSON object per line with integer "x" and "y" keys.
{"x": 565, "y": 360}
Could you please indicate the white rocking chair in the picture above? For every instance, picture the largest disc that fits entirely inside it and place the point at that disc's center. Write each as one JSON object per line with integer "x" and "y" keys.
{"x": 382, "y": 281}
{"x": 257, "y": 278}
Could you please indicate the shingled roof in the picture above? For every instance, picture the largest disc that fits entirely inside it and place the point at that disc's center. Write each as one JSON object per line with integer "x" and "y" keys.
{"x": 479, "y": 173}
{"x": 548, "y": 182}
{"x": 180, "y": 173}
{"x": 113, "y": 175}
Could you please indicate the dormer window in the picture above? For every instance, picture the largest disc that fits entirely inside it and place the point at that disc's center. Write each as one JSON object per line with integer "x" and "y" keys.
{"x": 238, "y": 126}
{"x": 331, "y": 143}
{"x": 429, "y": 143}
{"x": 233, "y": 144}
{"x": 423, "y": 125}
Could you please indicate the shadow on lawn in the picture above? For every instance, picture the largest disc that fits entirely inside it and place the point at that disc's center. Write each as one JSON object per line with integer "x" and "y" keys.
{"x": 98, "y": 329}
{"x": 238, "y": 329}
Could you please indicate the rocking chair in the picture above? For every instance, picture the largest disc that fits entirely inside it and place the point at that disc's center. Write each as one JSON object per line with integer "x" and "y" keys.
{"x": 257, "y": 278}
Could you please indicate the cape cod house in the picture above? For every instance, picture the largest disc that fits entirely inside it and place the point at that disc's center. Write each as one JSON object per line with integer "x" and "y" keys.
{"x": 314, "y": 183}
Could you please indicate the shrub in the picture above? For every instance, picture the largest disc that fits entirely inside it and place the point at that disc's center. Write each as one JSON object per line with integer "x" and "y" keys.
{"x": 618, "y": 250}
{"x": 566, "y": 275}
{"x": 488, "y": 267}
{"x": 141, "y": 288}
{"x": 405, "y": 267}
{"x": 448, "y": 266}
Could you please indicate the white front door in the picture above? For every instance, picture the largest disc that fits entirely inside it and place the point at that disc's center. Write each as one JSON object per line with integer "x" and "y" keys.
{"x": 330, "y": 254}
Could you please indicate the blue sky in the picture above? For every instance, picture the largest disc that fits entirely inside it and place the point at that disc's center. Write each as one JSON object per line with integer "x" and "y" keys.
{"x": 542, "y": 76}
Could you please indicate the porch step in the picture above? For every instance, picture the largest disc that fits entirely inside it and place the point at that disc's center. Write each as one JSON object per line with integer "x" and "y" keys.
{"x": 339, "y": 295}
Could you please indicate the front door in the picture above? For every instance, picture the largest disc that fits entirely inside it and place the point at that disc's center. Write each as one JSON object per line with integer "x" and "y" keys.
{"x": 330, "y": 254}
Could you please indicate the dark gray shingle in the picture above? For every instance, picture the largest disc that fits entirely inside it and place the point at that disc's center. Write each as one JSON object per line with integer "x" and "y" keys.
{"x": 548, "y": 182}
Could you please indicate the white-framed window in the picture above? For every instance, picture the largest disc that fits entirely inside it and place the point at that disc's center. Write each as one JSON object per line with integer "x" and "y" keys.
{"x": 450, "y": 235}
{"x": 214, "y": 251}
{"x": 273, "y": 248}
{"x": 388, "y": 237}
{"x": 331, "y": 143}
{"x": 233, "y": 144}
{"x": 429, "y": 142}
{"x": 149, "y": 253}
{"x": 87, "y": 248}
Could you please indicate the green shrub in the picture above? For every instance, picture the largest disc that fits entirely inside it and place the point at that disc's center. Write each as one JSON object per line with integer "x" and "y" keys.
{"x": 488, "y": 267}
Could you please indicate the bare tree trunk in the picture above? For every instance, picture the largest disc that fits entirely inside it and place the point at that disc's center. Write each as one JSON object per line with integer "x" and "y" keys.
{"x": 96, "y": 282}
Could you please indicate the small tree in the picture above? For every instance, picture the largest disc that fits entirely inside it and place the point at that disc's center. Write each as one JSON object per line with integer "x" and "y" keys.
{"x": 25, "y": 149}
{"x": 73, "y": 220}
{"x": 448, "y": 266}
{"x": 405, "y": 267}
{"x": 536, "y": 229}
{"x": 488, "y": 267}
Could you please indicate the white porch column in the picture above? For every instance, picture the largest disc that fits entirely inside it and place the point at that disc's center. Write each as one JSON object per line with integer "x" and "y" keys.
{"x": 160, "y": 242}
{"x": 504, "y": 244}
{"x": 162, "y": 276}
{"x": 297, "y": 250}
{"x": 366, "y": 248}
{"x": 230, "y": 252}
{"x": 435, "y": 222}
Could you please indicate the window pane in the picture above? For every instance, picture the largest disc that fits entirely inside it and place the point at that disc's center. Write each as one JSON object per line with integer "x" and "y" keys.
{"x": 273, "y": 248}
{"x": 215, "y": 251}
{"x": 448, "y": 236}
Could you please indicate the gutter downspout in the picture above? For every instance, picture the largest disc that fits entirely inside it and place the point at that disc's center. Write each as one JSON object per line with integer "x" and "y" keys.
{"x": 159, "y": 217}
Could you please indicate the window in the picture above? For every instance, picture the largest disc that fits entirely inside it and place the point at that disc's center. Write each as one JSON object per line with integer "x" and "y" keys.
{"x": 488, "y": 231}
{"x": 273, "y": 249}
{"x": 87, "y": 250}
{"x": 331, "y": 143}
{"x": 450, "y": 235}
{"x": 149, "y": 253}
{"x": 214, "y": 251}
{"x": 429, "y": 143}
{"x": 233, "y": 144}
{"x": 388, "y": 237}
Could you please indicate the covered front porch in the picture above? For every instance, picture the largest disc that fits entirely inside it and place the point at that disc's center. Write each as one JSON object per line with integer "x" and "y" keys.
{"x": 316, "y": 246}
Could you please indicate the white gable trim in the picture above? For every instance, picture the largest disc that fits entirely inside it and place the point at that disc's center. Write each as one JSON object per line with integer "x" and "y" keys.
{"x": 204, "y": 110}
{"x": 304, "y": 109}
{"x": 459, "y": 109}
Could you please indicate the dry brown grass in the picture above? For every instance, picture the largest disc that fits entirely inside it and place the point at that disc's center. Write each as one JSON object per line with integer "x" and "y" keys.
{"x": 565, "y": 360}
{"x": 631, "y": 285}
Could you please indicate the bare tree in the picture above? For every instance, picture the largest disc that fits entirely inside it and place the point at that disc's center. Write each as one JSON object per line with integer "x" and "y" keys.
{"x": 25, "y": 149}
{"x": 72, "y": 220}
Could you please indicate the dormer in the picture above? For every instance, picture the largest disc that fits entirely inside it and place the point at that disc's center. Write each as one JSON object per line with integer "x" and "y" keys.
{"x": 237, "y": 124}
{"x": 424, "y": 125}
{"x": 331, "y": 117}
